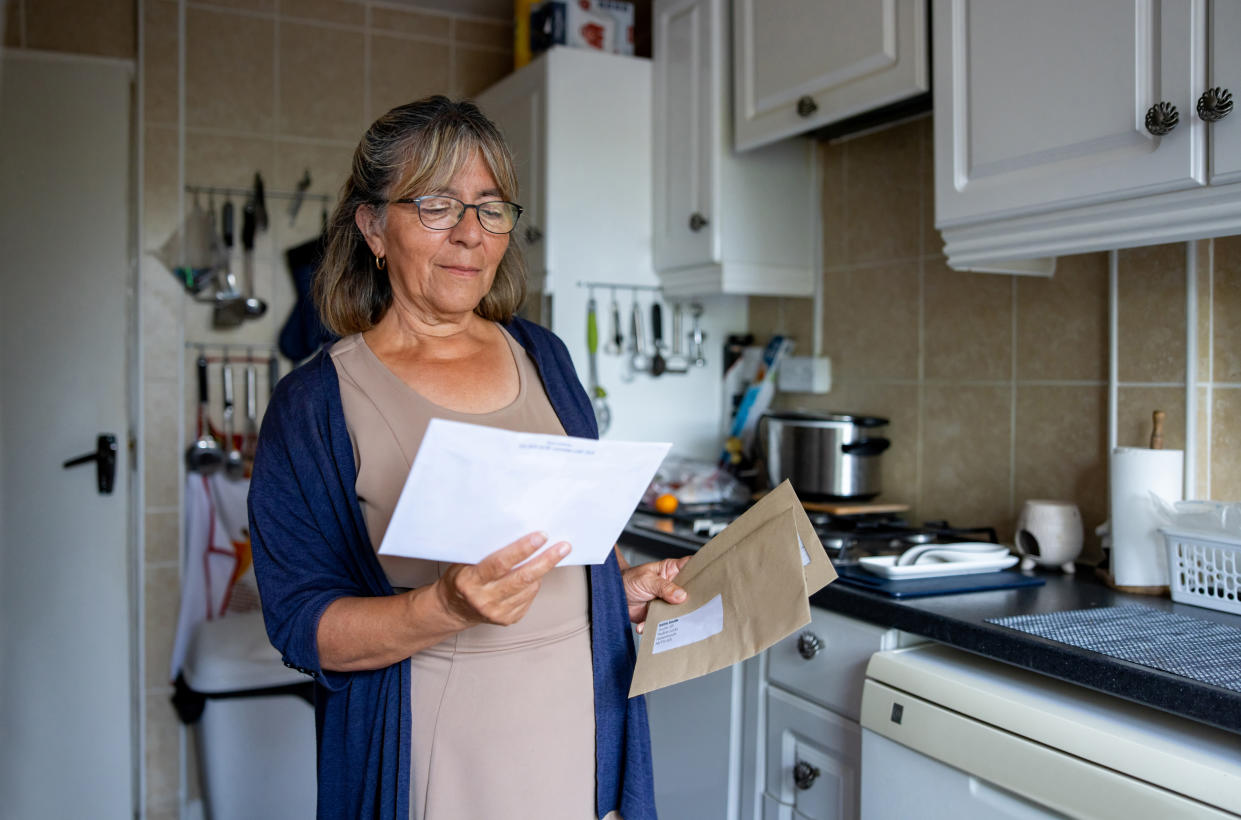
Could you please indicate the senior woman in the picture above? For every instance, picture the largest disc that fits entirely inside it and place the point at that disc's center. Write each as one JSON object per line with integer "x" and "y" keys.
{"x": 444, "y": 691}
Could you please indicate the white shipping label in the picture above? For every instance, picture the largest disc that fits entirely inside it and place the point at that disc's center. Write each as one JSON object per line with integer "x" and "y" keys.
{"x": 702, "y": 623}
{"x": 805, "y": 556}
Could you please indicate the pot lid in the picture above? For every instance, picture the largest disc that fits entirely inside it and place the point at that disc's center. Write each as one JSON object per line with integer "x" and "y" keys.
{"x": 827, "y": 418}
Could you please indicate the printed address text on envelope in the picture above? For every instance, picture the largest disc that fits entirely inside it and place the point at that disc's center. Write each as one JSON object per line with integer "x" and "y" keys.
{"x": 474, "y": 489}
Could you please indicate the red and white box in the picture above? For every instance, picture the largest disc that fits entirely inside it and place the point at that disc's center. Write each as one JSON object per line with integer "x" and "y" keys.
{"x": 604, "y": 25}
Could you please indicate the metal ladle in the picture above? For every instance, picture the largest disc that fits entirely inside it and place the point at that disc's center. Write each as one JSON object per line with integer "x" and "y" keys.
{"x": 204, "y": 454}
{"x": 234, "y": 464}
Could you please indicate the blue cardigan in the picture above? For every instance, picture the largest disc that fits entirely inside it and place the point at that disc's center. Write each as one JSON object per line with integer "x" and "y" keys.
{"x": 311, "y": 547}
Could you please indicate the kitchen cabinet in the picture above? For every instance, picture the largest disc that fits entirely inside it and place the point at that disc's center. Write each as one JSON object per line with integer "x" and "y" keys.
{"x": 800, "y": 65}
{"x": 801, "y": 733}
{"x": 519, "y": 105}
{"x": 695, "y": 737}
{"x": 723, "y": 222}
{"x": 1042, "y": 142}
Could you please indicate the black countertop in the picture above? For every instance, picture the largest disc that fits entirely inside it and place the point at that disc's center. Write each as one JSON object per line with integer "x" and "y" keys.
{"x": 960, "y": 621}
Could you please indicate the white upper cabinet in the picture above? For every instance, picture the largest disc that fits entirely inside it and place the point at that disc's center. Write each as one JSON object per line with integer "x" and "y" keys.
{"x": 1225, "y": 73}
{"x": 518, "y": 103}
{"x": 723, "y": 222}
{"x": 803, "y": 64}
{"x": 1053, "y": 131}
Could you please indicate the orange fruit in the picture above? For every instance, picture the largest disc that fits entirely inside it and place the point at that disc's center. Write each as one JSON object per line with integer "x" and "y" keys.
{"x": 666, "y": 503}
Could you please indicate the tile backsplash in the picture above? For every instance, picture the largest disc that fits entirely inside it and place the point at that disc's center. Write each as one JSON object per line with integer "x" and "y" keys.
{"x": 996, "y": 386}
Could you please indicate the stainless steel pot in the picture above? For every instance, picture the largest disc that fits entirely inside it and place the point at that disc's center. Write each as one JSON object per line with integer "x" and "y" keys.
{"x": 824, "y": 455}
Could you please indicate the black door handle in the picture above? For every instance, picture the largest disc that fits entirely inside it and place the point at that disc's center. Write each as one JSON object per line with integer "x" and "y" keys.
{"x": 105, "y": 462}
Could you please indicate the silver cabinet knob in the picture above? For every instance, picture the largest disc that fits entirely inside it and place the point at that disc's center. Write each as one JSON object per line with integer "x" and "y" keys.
{"x": 697, "y": 222}
{"x": 533, "y": 235}
{"x": 804, "y": 775}
{"x": 1161, "y": 118}
{"x": 806, "y": 106}
{"x": 1215, "y": 104}
{"x": 808, "y": 645}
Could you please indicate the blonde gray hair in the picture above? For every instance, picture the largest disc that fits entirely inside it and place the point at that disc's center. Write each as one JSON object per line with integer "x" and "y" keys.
{"x": 414, "y": 149}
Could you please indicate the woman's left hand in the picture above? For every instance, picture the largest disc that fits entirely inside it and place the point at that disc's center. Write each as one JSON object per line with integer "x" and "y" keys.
{"x": 646, "y": 582}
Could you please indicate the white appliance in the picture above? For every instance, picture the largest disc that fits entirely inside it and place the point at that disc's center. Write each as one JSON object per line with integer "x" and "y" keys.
{"x": 579, "y": 122}
{"x": 946, "y": 734}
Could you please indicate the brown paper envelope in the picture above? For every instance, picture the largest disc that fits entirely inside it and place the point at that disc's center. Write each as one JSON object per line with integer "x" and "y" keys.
{"x": 752, "y": 588}
{"x": 819, "y": 572}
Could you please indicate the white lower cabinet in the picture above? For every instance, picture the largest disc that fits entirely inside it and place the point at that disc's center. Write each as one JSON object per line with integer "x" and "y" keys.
{"x": 814, "y": 758}
{"x": 801, "y": 737}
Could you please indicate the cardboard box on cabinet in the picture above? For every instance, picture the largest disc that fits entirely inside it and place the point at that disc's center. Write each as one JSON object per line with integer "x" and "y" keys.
{"x": 604, "y": 25}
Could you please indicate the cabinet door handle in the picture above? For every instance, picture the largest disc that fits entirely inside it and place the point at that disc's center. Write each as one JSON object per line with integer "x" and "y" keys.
{"x": 806, "y": 106}
{"x": 1215, "y": 104}
{"x": 804, "y": 775}
{"x": 697, "y": 222}
{"x": 808, "y": 645}
{"x": 1161, "y": 118}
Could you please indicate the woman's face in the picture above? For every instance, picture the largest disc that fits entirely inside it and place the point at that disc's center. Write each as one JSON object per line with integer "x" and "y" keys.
{"x": 440, "y": 274}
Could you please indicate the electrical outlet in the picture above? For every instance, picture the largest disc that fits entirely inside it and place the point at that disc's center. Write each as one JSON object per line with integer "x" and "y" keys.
{"x": 805, "y": 374}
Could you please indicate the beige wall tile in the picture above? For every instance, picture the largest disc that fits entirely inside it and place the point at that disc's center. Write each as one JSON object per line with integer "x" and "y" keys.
{"x": 160, "y": 197}
{"x": 1133, "y": 416}
{"x": 347, "y": 12}
{"x": 321, "y": 97}
{"x": 883, "y": 181}
{"x": 401, "y": 21}
{"x": 159, "y": 64}
{"x": 1227, "y": 310}
{"x": 329, "y": 168}
{"x": 163, "y": 603}
{"x": 259, "y": 6}
{"x": 1201, "y": 445}
{"x": 932, "y": 239}
{"x": 161, "y": 442}
{"x": 403, "y": 71}
{"x": 1062, "y": 321}
{"x": 212, "y": 159}
{"x": 770, "y": 315}
{"x": 163, "y": 543}
{"x": 1152, "y": 314}
{"x": 476, "y": 70}
{"x": 1226, "y": 445}
{"x": 107, "y": 28}
{"x": 483, "y": 33}
{"x": 163, "y": 751}
{"x": 968, "y": 321}
{"x": 13, "y": 11}
{"x": 871, "y": 322}
{"x": 161, "y": 298}
{"x": 899, "y": 404}
{"x": 1061, "y": 452}
{"x": 831, "y": 159}
{"x": 965, "y": 456}
{"x": 229, "y": 79}
{"x": 1204, "y": 310}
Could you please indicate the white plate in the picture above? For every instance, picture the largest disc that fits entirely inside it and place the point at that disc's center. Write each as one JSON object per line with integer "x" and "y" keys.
{"x": 954, "y": 564}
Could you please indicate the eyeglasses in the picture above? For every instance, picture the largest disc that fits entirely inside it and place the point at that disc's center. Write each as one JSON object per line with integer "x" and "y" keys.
{"x": 442, "y": 213}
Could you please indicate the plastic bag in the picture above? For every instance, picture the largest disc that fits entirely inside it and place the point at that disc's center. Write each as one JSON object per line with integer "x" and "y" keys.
{"x": 695, "y": 482}
{"x": 1219, "y": 517}
{"x": 194, "y": 251}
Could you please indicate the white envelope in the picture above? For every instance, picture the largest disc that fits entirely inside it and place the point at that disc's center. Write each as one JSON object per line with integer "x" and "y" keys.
{"x": 475, "y": 489}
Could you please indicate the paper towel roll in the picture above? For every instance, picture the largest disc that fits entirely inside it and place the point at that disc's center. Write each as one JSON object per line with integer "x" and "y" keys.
{"x": 1139, "y": 557}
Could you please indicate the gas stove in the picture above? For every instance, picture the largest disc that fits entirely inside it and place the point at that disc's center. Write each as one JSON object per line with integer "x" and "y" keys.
{"x": 846, "y": 538}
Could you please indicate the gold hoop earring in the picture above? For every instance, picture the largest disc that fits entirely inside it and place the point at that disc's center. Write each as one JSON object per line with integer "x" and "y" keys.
{"x": 380, "y": 262}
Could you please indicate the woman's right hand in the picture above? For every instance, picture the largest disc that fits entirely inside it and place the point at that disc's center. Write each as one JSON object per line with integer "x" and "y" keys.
{"x": 497, "y": 590}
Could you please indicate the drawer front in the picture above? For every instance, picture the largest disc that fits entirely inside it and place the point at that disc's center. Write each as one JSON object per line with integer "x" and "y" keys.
{"x": 813, "y": 759}
{"x": 833, "y": 675}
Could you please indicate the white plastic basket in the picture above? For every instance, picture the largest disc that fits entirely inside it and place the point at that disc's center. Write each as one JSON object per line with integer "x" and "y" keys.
{"x": 1204, "y": 569}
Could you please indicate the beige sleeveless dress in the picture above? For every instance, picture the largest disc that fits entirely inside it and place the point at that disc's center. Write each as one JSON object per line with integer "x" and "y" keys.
{"x": 503, "y": 717}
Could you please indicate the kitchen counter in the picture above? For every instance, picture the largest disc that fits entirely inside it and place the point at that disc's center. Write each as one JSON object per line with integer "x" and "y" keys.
{"x": 960, "y": 621}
